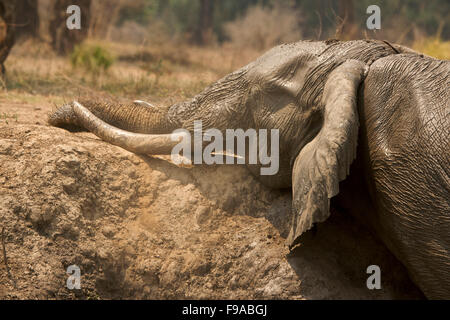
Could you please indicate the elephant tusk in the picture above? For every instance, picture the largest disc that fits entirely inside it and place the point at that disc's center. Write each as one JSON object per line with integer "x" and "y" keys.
{"x": 151, "y": 144}
{"x": 143, "y": 103}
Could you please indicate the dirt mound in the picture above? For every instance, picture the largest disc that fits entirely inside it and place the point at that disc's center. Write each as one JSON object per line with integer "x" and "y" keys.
{"x": 141, "y": 227}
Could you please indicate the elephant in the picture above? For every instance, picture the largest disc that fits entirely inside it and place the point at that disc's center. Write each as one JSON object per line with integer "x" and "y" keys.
{"x": 363, "y": 124}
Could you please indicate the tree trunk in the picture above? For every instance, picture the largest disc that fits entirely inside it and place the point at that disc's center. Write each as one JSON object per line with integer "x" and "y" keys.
{"x": 204, "y": 32}
{"x": 27, "y": 18}
{"x": 104, "y": 15}
{"x": 7, "y": 22}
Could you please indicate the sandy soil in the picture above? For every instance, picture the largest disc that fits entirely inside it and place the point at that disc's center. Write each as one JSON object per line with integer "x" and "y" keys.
{"x": 141, "y": 227}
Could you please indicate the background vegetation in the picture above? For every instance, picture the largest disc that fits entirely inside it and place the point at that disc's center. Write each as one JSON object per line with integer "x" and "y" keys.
{"x": 166, "y": 50}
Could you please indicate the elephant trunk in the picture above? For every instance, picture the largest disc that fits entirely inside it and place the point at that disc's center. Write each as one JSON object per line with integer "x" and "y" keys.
{"x": 137, "y": 117}
{"x": 135, "y": 142}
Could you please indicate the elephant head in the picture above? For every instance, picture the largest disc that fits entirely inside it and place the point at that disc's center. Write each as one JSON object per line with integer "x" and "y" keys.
{"x": 307, "y": 90}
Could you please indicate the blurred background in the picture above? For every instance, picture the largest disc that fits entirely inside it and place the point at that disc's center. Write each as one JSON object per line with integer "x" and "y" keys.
{"x": 173, "y": 48}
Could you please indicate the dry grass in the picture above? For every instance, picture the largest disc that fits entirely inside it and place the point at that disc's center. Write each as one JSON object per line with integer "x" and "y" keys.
{"x": 434, "y": 47}
{"x": 165, "y": 73}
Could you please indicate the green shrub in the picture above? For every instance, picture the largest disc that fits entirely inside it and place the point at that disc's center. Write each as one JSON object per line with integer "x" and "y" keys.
{"x": 91, "y": 57}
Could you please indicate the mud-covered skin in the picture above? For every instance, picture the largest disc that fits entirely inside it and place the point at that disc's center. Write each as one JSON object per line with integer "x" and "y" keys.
{"x": 405, "y": 118}
{"x": 317, "y": 94}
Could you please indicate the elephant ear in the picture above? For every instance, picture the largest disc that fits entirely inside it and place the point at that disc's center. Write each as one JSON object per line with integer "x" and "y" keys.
{"x": 326, "y": 160}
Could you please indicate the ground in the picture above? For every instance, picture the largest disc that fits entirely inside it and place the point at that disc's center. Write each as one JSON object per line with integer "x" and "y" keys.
{"x": 140, "y": 227}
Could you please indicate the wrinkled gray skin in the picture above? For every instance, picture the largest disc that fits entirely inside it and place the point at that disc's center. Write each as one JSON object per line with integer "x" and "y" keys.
{"x": 383, "y": 104}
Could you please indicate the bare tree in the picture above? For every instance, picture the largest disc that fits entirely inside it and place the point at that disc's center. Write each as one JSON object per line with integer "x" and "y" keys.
{"x": 204, "y": 32}
{"x": 7, "y": 22}
{"x": 26, "y": 18}
{"x": 104, "y": 14}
